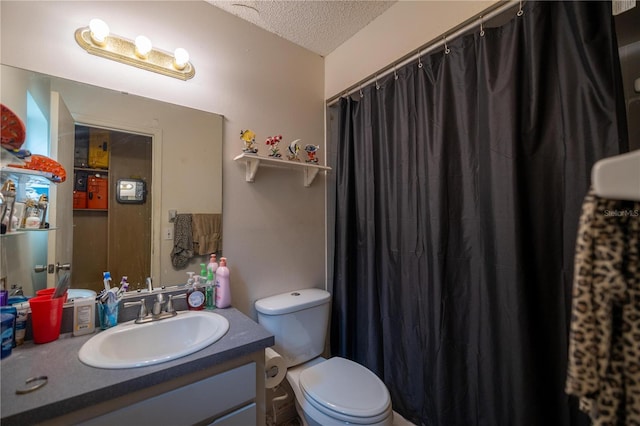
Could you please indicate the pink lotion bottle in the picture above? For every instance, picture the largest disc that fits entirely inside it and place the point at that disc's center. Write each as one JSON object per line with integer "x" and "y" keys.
{"x": 213, "y": 264}
{"x": 223, "y": 290}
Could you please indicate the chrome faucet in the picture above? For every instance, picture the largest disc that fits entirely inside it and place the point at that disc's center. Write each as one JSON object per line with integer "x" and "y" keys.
{"x": 16, "y": 290}
{"x": 157, "y": 313}
{"x": 149, "y": 282}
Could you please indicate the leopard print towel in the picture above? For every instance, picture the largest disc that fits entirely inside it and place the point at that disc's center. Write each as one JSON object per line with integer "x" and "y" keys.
{"x": 604, "y": 340}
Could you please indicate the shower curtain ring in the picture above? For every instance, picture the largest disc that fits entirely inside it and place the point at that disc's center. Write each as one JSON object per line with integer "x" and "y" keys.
{"x": 520, "y": 11}
{"x": 377, "y": 84}
{"x": 446, "y": 48}
{"x": 419, "y": 59}
{"x": 395, "y": 73}
{"x": 361, "y": 92}
{"x": 481, "y": 27}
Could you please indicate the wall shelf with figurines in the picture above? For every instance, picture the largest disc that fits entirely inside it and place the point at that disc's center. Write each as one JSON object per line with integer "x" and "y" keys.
{"x": 252, "y": 160}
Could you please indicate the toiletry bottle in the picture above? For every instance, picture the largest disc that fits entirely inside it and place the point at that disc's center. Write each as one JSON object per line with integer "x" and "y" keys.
{"x": 203, "y": 273}
{"x": 190, "y": 279}
{"x": 213, "y": 267}
{"x": 84, "y": 314}
{"x": 223, "y": 290}
{"x": 213, "y": 264}
{"x": 210, "y": 291}
{"x": 195, "y": 295}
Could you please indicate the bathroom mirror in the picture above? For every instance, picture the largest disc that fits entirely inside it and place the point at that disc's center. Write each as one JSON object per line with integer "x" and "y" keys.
{"x": 182, "y": 147}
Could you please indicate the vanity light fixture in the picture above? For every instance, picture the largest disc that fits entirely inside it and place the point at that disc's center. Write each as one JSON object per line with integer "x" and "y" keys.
{"x": 140, "y": 53}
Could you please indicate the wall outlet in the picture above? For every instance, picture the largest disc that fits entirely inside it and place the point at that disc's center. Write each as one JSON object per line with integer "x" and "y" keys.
{"x": 168, "y": 233}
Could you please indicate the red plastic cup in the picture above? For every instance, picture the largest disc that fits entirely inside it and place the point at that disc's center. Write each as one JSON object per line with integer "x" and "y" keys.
{"x": 49, "y": 292}
{"x": 46, "y": 318}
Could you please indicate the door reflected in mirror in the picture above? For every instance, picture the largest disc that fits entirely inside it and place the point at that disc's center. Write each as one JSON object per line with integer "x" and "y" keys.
{"x": 109, "y": 234}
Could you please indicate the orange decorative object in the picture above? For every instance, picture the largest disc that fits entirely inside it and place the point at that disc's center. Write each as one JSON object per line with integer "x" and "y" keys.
{"x": 13, "y": 130}
{"x": 45, "y": 164}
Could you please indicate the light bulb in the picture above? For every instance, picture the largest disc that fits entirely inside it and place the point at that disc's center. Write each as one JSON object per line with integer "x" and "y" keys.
{"x": 99, "y": 31}
{"x": 180, "y": 58}
{"x": 143, "y": 46}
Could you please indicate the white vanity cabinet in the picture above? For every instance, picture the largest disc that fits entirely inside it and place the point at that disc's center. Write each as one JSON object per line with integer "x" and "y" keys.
{"x": 226, "y": 398}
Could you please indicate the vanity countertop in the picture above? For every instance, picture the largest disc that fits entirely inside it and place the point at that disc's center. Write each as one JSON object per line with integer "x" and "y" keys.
{"x": 73, "y": 385}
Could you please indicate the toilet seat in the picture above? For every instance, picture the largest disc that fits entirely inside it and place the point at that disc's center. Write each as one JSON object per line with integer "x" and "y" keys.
{"x": 346, "y": 391}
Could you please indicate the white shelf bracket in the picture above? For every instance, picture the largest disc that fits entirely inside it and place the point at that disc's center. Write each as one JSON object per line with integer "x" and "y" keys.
{"x": 251, "y": 168}
{"x": 309, "y": 175}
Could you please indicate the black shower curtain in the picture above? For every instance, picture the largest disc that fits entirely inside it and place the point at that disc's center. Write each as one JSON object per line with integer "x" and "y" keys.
{"x": 457, "y": 195}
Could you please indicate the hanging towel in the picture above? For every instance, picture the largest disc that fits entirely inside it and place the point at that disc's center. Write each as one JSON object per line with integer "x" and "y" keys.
{"x": 207, "y": 233}
{"x": 182, "y": 241}
{"x": 604, "y": 340}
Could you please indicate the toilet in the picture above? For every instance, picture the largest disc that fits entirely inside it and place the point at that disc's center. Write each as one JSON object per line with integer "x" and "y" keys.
{"x": 334, "y": 391}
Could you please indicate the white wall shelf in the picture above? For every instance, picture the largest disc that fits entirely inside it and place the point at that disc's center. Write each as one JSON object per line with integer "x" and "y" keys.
{"x": 26, "y": 176}
{"x": 253, "y": 161}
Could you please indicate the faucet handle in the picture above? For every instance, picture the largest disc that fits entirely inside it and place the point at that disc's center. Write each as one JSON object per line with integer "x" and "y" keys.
{"x": 143, "y": 307}
{"x": 170, "y": 307}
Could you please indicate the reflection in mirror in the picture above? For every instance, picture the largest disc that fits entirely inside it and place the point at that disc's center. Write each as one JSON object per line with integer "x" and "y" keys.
{"x": 132, "y": 191}
{"x": 177, "y": 154}
{"x": 110, "y": 235}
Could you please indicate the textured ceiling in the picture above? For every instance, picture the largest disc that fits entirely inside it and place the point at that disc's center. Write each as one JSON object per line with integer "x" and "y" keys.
{"x": 319, "y": 26}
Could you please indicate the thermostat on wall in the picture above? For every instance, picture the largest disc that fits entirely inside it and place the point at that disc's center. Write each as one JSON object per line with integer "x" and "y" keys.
{"x": 131, "y": 191}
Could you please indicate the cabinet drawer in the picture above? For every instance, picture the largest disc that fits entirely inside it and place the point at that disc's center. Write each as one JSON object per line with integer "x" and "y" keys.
{"x": 245, "y": 416}
{"x": 189, "y": 404}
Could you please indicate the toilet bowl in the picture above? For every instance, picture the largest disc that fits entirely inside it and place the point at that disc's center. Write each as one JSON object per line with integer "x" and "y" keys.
{"x": 328, "y": 392}
{"x": 339, "y": 392}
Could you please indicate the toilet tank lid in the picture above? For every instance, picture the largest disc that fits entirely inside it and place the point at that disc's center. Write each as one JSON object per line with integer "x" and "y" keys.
{"x": 297, "y": 300}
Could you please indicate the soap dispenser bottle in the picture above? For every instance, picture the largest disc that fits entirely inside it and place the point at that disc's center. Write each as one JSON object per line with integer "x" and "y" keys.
{"x": 196, "y": 296}
{"x": 223, "y": 290}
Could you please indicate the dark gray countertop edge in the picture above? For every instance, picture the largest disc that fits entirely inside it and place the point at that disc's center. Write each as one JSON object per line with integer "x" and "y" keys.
{"x": 150, "y": 376}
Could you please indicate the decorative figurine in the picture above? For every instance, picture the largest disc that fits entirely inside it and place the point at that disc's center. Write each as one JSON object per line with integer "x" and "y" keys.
{"x": 249, "y": 139}
{"x": 312, "y": 150}
{"x": 293, "y": 151}
{"x": 8, "y": 201}
{"x": 273, "y": 142}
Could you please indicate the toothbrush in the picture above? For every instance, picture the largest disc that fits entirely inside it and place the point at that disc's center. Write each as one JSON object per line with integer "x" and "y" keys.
{"x": 124, "y": 286}
{"x": 106, "y": 277}
{"x": 109, "y": 296}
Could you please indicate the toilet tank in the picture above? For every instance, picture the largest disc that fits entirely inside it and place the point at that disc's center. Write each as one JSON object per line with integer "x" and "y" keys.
{"x": 299, "y": 321}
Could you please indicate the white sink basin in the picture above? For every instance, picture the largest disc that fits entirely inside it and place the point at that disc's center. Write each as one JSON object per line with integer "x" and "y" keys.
{"x": 130, "y": 345}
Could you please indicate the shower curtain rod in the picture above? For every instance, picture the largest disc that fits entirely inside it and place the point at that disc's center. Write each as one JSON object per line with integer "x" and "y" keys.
{"x": 433, "y": 45}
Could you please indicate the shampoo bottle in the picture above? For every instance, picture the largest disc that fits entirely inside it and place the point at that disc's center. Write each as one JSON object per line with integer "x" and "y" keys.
{"x": 223, "y": 290}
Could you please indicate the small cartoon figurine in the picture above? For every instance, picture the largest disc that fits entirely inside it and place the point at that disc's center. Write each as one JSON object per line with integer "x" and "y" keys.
{"x": 312, "y": 150}
{"x": 249, "y": 139}
{"x": 273, "y": 142}
{"x": 293, "y": 150}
